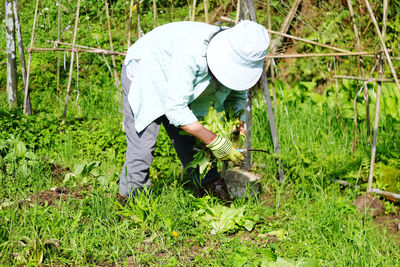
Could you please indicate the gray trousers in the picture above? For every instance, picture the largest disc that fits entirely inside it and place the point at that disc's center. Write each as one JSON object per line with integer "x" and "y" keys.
{"x": 140, "y": 148}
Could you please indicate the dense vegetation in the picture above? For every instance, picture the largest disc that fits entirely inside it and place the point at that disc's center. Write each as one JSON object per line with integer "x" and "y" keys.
{"x": 59, "y": 181}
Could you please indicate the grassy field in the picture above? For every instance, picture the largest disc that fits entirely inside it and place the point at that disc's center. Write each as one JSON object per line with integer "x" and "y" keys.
{"x": 59, "y": 186}
{"x": 58, "y": 182}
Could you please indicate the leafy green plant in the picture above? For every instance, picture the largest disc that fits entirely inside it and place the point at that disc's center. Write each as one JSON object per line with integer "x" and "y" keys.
{"x": 222, "y": 219}
{"x": 221, "y": 123}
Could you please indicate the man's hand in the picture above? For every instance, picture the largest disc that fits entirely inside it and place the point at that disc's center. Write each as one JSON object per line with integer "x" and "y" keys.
{"x": 222, "y": 148}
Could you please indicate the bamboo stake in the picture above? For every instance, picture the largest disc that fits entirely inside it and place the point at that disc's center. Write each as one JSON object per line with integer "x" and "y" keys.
{"x": 116, "y": 79}
{"x": 384, "y": 19}
{"x": 308, "y": 41}
{"x": 272, "y": 125}
{"x": 295, "y": 38}
{"x": 11, "y": 83}
{"x": 355, "y": 118}
{"x": 271, "y": 62}
{"x": 206, "y": 10}
{"x": 21, "y": 54}
{"x": 138, "y": 18}
{"x": 248, "y": 129}
{"x": 193, "y": 10}
{"x": 238, "y": 12}
{"x": 322, "y": 54}
{"x": 373, "y": 190}
{"x": 130, "y": 24}
{"x": 366, "y": 79}
{"x": 58, "y": 40}
{"x": 71, "y": 66}
{"x": 284, "y": 28}
{"x": 155, "y": 13}
{"x": 26, "y": 90}
{"x": 93, "y": 51}
{"x": 384, "y": 48}
{"x": 358, "y": 42}
{"x": 376, "y": 122}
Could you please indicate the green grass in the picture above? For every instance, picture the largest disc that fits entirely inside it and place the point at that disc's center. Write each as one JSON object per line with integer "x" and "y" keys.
{"x": 319, "y": 220}
{"x": 313, "y": 219}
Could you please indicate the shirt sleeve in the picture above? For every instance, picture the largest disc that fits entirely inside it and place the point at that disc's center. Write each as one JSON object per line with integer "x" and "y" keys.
{"x": 180, "y": 77}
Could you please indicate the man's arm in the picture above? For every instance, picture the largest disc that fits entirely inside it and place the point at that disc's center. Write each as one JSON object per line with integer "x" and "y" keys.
{"x": 199, "y": 131}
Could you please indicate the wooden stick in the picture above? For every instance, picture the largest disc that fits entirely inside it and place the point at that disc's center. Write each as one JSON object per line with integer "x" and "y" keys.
{"x": 308, "y": 41}
{"x": 295, "y": 38}
{"x": 71, "y": 66}
{"x": 138, "y": 18}
{"x": 366, "y": 79}
{"x": 130, "y": 24}
{"x": 384, "y": 48}
{"x": 322, "y": 54}
{"x": 271, "y": 62}
{"x": 26, "y": 91}
{"x": 238, "y": 12}
{"x": 93, "y": 51}
{"x": 155, "y": 13}
{"x": 373, "y": 190}
{"x": 384, "y": 19}
{"x": 373, "y": 150}
{"x": 284, "y": 28}
{"x": 76, "y": 45}
{"x": 58, "y": 41}
{"x": 206, "y": 10}
{"x": 361, "y": 63}
{"x": 11, "y": 83}
{"x": 116, "y": 79}
{"x": 21, "y": 54}
{"x": 193, "y": 10}
{"x": 355, "y": 118}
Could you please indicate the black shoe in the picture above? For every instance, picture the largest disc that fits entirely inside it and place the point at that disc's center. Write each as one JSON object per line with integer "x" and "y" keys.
{"x": 218, "y": 189}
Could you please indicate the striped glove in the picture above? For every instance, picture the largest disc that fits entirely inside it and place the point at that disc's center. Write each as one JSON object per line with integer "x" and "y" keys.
{"x": 222, "y": 148}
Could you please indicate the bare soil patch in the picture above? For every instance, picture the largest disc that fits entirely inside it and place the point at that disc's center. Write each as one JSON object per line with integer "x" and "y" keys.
{"x": 51, "y": 196}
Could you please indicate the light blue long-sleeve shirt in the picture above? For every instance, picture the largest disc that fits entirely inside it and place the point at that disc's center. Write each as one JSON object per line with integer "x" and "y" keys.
{"x": 169, "y": 74}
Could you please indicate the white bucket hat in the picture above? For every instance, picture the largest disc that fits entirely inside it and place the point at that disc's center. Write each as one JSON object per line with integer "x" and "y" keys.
{"x": 236, "y": 56}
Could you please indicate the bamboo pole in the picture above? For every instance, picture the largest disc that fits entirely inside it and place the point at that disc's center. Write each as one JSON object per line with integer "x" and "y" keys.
{"x": 384, "y": 19}
{"x": 376, "y": 122}
{"x": 322, "y": 54}
{"x": 373, "y": 190}
{"x": 93, "y": 51}
{"x": 378, "y": 95}
{"x": 206, "y": 10}
{"x": 116, "y": 79}
{"x": 271, "y": 61}
{"x": 130, "y": 24}
{"x": 155, "y": 13}
{"x": 284, "y": 28}
{"x": 58, "y": 40}
{"x": 71, "y": 66}
{"x": 308, "y": 41}
{"x": 26, "y": 89}
{"x": 295, "y": 38}
{"x": 384, "y": 48}
{"x": 267, "y": 98}
{"x": 138, "y": 18}
{"x": 361, "y": 62}
{"x": 21, "y": 54}
{"x": 11, "y": 83}
{"x": 238, "y": 12}
{"x": 366, "y": 79}
{"x": 193, "y": 10}
{"x": 355, "y": 118}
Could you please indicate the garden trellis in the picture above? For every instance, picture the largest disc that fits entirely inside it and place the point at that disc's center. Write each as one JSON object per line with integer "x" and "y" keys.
{"x": 245, "y": 9}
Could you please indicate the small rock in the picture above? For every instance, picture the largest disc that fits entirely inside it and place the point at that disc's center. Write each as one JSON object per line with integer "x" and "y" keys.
{"x": 369, "y": 205}
{"x": 239, "y": 182}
